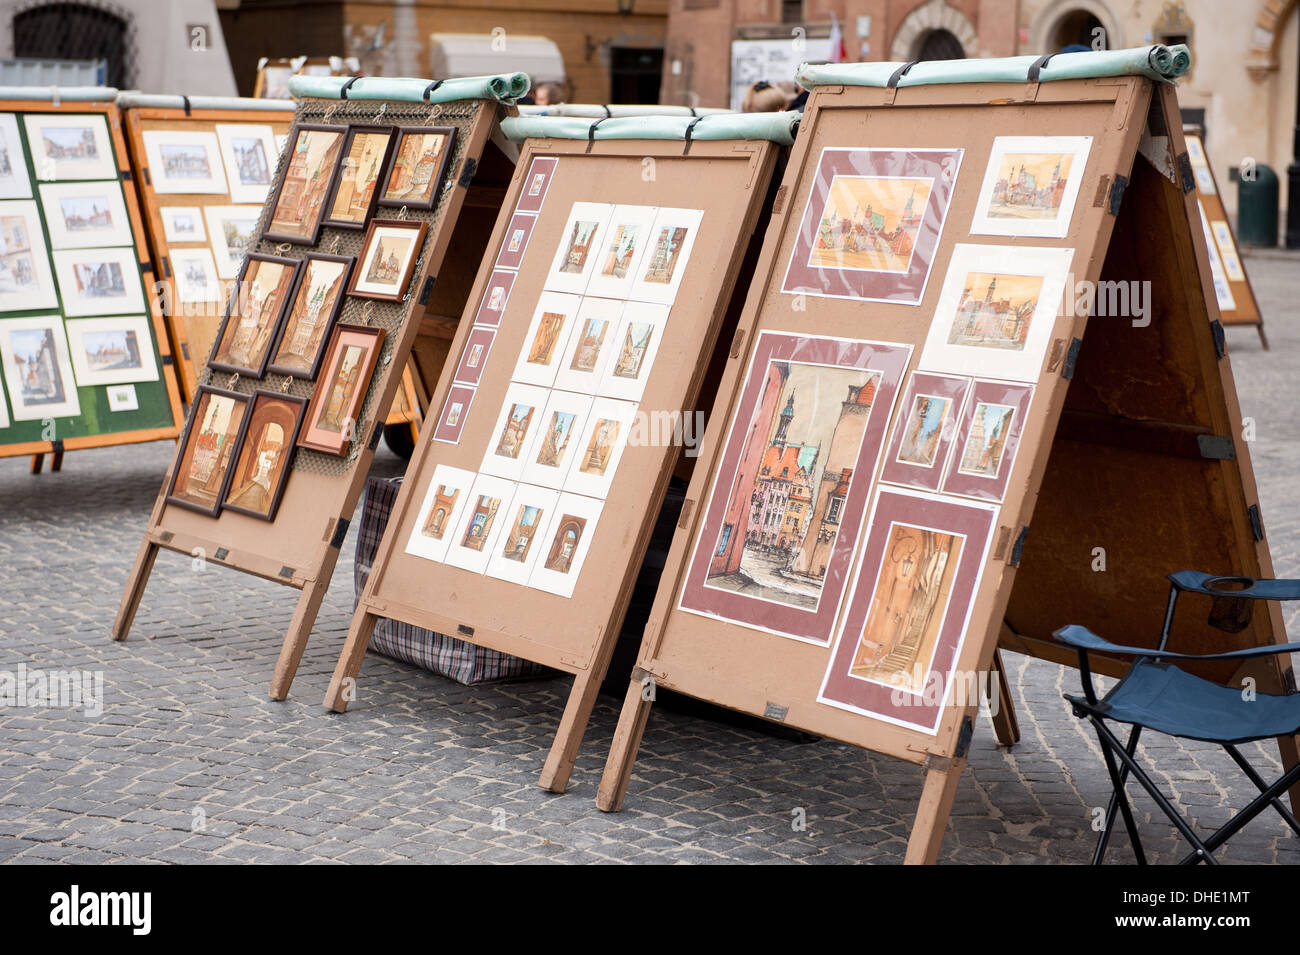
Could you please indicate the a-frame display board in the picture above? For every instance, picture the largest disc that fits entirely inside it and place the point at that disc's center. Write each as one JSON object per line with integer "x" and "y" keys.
{"x": 84, "y": 355}
{"x": 530, "y": 501}
{"x": 921, "y": 420}
{"x": 310, "y": 493}
{"x": 1232, "y": 289}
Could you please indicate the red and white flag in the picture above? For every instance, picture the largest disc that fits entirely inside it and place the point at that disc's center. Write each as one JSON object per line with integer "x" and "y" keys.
{"x": 838, "y": 53}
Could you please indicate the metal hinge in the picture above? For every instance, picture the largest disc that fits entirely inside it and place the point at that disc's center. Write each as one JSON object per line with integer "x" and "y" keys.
{"x": 1220, "y": 340}
{"x": 1216, "y": 447}
{"x": 964, "y": 736}
{"x": 1185, "y": 172}
{"x": 1018, "y": 546}
{"x": 286, "y": 572}
{"x": 467, "y": 173}
{"x": 1071, "y": 356}
{"x": 374, "y": 435}
{"x": 775, "y": 711}
{"x": 1256, "y": 522}
{"x": 1117, "y": 193}
{"x": 424, "y": 292}
{"x": 340, "y": 532}
{"x": 221, "y": 554}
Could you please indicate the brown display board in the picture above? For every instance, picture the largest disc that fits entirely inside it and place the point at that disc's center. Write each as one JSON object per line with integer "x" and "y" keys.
{"x": 76, "y": 399}
{"x": 874, "y": 619}
{"x": 551, "y": 438}
{"x": 300, "y": 546}
{"x": 1236, "y": 298}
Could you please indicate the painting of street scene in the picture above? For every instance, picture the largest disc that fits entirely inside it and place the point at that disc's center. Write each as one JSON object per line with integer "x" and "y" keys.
{"x": 1030, "y": 185}
{"x": 870, "y": 223}
{"x": 995, "y": 310}
{"x": 36, "y": 367}
{"x": 580, "y": 241}
{"x": 301, "y": 202}
{"x": 112, "y": 350}
{"x": 792, "y": 482}
{"x": 923, "y": 430}
{"x": 989, "y": 428}
{"x": 907, "y": 606}
{"x": 185, "y": 161}
{"x": 69, "y": 143}
{"x": 519, "y": 538}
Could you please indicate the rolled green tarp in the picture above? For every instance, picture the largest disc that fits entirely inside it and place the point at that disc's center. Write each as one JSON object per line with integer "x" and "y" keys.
{"x": 1159, "y": 62}
{"x": 131, "y": 99}
{"x": 55, "y": 94}
{"x": 592, "y": 111}
{"x": 776, "y": 127}
{"x": 504, "y": 88}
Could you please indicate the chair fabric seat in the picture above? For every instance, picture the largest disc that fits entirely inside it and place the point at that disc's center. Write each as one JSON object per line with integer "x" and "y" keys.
{"x": 1169, "y": 700}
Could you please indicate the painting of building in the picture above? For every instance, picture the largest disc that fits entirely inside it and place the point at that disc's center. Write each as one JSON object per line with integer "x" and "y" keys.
{"x": 519, "y": 538}
{"x": 36, "y": 367}
{"x": 580, "y": 240}
{"x": 69, "y": 143}
{"x": 17, "y": 271}
{"x": 635, "y": 342}
{"x": 1030, "y": 185}
{"x": 587, "y": 352}
{"x": 309, "y": 318}
{"x": 250, "y": 161}
{"x": 604, "y": 438}
{"x": 870, "y": 222}
{"x": 201, "y": 472}
{"x": 923, "y": 429}
{"x": 564, "y": 545}
{"x": 342, "y": 389}
{"x": 85, "y": 213}
{"x": 995, "y": 310}
{"x": 307, "y": 179}
{"x": 480, "y": 522}
{"x": 555, "y": 440}
{"x": 515, "y": 430}
{"x": 112, "y": 350}
{"x": 547, "y": 337}
{"x": 663, "y": 257}
{"x": 390, "y": 256}
{"x": 989, "y": 428}
{"x": 622, "y": 248}
{"x": 414, "y": 167}
{"x": 444, "y": 501}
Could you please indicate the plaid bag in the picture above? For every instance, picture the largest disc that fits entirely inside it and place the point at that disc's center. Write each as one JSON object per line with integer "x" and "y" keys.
{"x": 455, "y": 659}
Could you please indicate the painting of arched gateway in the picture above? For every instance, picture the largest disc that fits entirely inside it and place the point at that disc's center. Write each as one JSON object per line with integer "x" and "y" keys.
{"x": 265, "y": 453}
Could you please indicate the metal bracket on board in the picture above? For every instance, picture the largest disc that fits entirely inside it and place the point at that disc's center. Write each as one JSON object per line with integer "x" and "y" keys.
{"x": 340, "y": 532}
{"x": 56, "y": 445}
{"x": 1071, "y": 356}
{"x": 167, "y": 359}
{"x": 375, "y": 435}
{"x": 286, "y": 573}
{"x": 1018, "y": 547}
{"x": 775, "y": 711}
{"x": 1185, "y": 172}
{"x": 1117, "y": 193}
{"x": 1256, "y": 522}
{"x": 1216, "y": 447}
{"x": 464, "y": 630}
{"x": 964, "y": 737}
{"x": 126, "y": 175}
{"x": 221, "y": 554}
{"x": 423, "y": 297}
{"x": 467, "y": 172}
{"x": 1220, "y": 340}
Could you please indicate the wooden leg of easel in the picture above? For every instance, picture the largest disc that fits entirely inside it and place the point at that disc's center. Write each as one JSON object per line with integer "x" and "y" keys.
{"x": 135, "y": 585}
{"x": 1005, "y": 725}
{"x": 1263, "y": 339}
{"x": 1289, "y": 746}
{"x": 295, "y": 641}
{"x": 56, "y": 461}
{"x": 622, "y": 751}
{"x": 568, "y": 737}
{"x": 38, "y": 462}
{"x": 344, "y": 680}
{"x": 941, "y": 778}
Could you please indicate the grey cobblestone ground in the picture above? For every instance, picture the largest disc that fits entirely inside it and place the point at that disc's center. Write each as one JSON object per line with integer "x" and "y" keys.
{"x": 190, "y": 762}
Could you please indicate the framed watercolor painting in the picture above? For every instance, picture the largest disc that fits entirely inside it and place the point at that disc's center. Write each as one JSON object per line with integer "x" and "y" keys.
{"x": 14, "y": 181}
{"x": 111, "y": 351}
{"x": 495, "y": 298}
{"x": 183, "y": 224}
{"x": 903, "y": 630}
{"x": 627, "y": 238}
{"x": 99, "y": 281}
{"x": 996, "y": 311}
{"x": 356, "y": 189}
{"x": 871, "y": 225}
{"x": 520, "y": 545}
{"x": 515, "y": 244}
{"x": 926, "y": 428}
{"x": 1030, "y": 186}
{"x": 455, "y": 410}
{"x": 26, "y": 281}
{"x": 987, "y": 437}
{"x": 419, "y": 164}
{"x": 244, "y": 343}
{"x": 331, "y": 423}
{"x": 515, "y": 433}
{"x": 481, "y": 523}
{"x": 195, "y": 276}
{"x": 636, "y": 343}
{"x": 590, "y": 346}
{"x": 598, "y": 447}
{"x": 562, "y": 422}
{"x": 565, "y": 541}
{"x": 388, "y": 257}
{"x": 85, "y": 214}
{"x": 440, "y": 512}
{"x": 298, "y": 208}
{"x": 317, "y": 300}
{"x": 184, "y": 162}
{"x": 70, "y": 146}
{"x": 37, "y": 370}
{"x": 672, "y": 237}
{"x": 547, "y": 338}
{"x": 789, "y": 492}
{"x": 478, "y": 346}
{"x": 203, "y": 467}
{"x": 249, "y": 154}
{"x": 579, "y": 248}
{"x": 538, "y": 182}
{"x": 266, "y": 448}
{"x": 233, "y": 231}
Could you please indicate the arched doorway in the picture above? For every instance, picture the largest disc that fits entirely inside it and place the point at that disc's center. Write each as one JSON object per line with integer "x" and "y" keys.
{"x": 1079, "y": 28}
{"x": 1065, "y": 23}
{"x": 77, "y": 31}
{"x": 940, "y": 45}
{"x": 934, "y": 31}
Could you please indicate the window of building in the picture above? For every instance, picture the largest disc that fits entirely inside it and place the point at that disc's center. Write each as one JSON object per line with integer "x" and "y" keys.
{"x": 941, "y": 45}
{"x": 723, "y": 538}
{"x": 77, "y": 31}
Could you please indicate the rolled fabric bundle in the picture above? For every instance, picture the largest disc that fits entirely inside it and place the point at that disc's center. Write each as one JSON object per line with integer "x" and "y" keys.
{"x": 593, "y": 111}
{"x": 172, "y": 101}
{"x": 81, "y": 94}
{"x": 504, "y": 88}
{"x": 775, "y": 127}
{"x": 1182, "y": 59}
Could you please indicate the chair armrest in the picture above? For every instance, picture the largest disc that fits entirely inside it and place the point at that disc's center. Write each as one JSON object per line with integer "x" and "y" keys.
{"x": 1194, "y": 581}
{"x": 1084, "y": 639}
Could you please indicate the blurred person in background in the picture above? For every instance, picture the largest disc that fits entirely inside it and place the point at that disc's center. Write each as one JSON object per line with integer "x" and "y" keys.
{"x": 763, "y": 97}
{"x": 548, "y": 94}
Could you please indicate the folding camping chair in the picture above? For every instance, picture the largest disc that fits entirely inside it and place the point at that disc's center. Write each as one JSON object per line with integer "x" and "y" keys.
{"x": 1157, "y": 694}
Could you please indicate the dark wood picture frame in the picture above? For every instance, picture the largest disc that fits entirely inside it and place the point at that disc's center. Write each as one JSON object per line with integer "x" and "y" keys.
{"x": 184, "y": 445}
{"x": 300, "y": 282}
{"x": 381, "y": 176}
{"x": 445, "y": 158}
{"x": 413, "y": 225}
{"x": 314, "y": 234}
{"x": 290, "y": 443}
{"x": 324, "y": 387}
{"x": 235, "y": 298}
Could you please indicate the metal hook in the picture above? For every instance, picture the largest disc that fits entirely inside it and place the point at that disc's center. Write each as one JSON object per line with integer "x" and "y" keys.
{"x": 234, "y": 380}
{"x": 284, "y": 385}
{"x": 329, "y": 113}
{"x": 401, "y": 213}
{"x": 282, "y": 248}
{"x": 366, "y": 312}
{"x": 334, "y": 246}
{"x": 382, "y": 110}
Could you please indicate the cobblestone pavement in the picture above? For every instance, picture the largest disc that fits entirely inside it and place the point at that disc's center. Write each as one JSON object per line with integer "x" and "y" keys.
{"x": 190, "y": 762}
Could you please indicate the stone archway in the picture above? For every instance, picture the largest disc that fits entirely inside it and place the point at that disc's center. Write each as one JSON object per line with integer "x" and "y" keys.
{"x": 925, "y": 19}
{"x": 1046, "y": 24}
{"x": 1262, "y": 58}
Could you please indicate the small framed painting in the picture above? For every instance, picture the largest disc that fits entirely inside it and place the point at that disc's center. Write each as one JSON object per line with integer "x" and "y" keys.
{"x": 26, "y": 281}
{"x": 419, "y": 163}
{"x": 14, "y": 181}
{"x": 563, "y": 420}
{"x": 481, "y": 524}
{"x": 111, "y": 351}
{"x": 564, "y": 544}
{"x": 444, "y": 503}
{"x": 515, "y": 243}
{"x": 672, "y": 237}
{"x": 578, "y": 251}
{"x": 207, "y": 449}
{"x": 536, "y": 183}
{"x": 591, "y": 345}
{"x": 195, "y": 275}
{"x": 598, "y": 447}
{"x": 122, "y": 398}
{"x": 495, "y": 298}
{"x": 517, "y": 548}
{"x": 621, "y": 251}
{"x": 636, "y": 342}
{"x": 266, "y": 448}
{"x": 455, "y": 409}
{"x": 249, "y": 154}
{"x": 234, "y": 231}
{"x": 298, "y": 208}
{"x": 546, "y": 339}
{"x": 85, "y": 214}
{"x": 987, "y": 438}
{"x": 183, "y": 224}
{"x": 388, "y": 257}
{"x": 478, "y": 345}
{"x": 331, "y": 423}
{"x": 1030, "y": 186}
{"x": 317, "y": 301}
{"x": 99, "y": 281}
{"x": 356, "y": 188}
{"x": 36, "y": 368}
{"x": 70, "y": 146}
{"x": 924, "y": 433}
{"x": 244, "y": 343}
{"x": 184, "y": 162}
{"x": 515, "y": 433}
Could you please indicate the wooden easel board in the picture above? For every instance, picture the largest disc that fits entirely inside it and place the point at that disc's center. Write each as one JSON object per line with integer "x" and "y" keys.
{"x": 1232, "y": 290}
{"x": 151, "y": 409}
{"x": 714, "y": 191}
{"x": 825, "y": 672}
{"x": 300, "y": 547}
